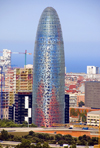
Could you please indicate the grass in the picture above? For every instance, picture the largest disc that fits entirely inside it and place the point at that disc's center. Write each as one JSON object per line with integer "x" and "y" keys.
{"x": 18, "y": 133}
{"x": 25, "y": 133}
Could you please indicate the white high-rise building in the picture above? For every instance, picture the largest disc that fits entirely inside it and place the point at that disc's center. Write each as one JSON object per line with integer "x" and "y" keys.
{"x": 5, "y": 60}
{"x": 92, "y": 70}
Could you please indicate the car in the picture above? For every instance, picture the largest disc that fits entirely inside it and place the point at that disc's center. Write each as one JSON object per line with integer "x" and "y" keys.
{"x": 84, "y": 123}
{"x": 65, "y": 145}
{"x": 70, "y": 127}
{"x": 85, "y": 128}
{"x": 80, "y": 123}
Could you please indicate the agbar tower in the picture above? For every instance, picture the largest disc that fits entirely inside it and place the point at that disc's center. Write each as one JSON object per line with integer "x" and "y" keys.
{"x": 48, "y": 71}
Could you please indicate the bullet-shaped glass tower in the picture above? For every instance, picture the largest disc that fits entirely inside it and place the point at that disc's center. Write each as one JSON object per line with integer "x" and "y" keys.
{"x": 48, "y": 71}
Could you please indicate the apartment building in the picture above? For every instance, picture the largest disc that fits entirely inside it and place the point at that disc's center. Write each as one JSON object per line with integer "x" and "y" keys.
{"x": 93, "y": 118}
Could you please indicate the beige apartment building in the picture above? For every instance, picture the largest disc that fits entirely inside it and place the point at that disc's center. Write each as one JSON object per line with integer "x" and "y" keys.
{"x": 93, "y": 118}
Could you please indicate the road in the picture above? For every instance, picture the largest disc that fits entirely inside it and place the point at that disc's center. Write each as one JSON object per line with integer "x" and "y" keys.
{"x": 36, "y": 129}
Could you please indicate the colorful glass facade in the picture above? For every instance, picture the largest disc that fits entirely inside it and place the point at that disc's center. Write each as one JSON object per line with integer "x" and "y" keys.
{"x": 48, "y": 71}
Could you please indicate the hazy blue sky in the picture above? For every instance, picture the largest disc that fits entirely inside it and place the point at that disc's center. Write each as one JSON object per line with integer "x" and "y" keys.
{"x": 80, "y": 22}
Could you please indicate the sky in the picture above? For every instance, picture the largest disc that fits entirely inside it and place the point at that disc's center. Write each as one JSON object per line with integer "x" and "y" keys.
{"x": 80, "y": 23}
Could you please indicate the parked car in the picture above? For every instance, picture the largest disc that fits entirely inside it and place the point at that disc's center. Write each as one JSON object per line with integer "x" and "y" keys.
{"x": 84, "y": 123}
{"x": 85, "y": 128}
{"x": 80, "y": 123}
{"x": 70, "y": 127}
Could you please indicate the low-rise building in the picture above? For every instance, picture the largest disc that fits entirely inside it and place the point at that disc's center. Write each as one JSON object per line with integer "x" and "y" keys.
{"x": 80, "y": 97}
{"x": 93, "y": 118}
{"x": 76, "y": 113}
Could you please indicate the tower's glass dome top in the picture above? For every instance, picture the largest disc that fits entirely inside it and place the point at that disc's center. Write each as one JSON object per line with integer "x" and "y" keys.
{"x": 48, "y": 71}
{"x": 49, "y": 26}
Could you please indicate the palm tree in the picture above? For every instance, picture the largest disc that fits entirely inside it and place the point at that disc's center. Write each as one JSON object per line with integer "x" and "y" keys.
{"x": 95, "y": 122}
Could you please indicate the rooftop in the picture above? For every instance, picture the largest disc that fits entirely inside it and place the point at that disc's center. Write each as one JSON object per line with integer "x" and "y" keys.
{"x": 94, "y": 112}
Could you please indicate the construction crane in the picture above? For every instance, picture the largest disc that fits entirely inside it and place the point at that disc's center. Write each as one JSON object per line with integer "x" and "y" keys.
{"x": 22, "y": 53}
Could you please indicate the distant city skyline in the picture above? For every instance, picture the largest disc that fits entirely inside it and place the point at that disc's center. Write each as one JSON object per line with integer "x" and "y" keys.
{"x": 80, "y": 24}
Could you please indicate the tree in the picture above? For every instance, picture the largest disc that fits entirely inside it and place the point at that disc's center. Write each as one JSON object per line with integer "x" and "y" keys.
{"x": 51, "y": 137}
{"x": 91, "y": 143}
{"x": 4, "y": 134}
{"x": 85, "y": 112}
{"x": 10, "y": 137}
{"x": 83, "y": 118}
{"x": 80, "y": 138}
{"x": 25, "y": 124}
{"x": 32, "y": 146}
{"x": 1, "y": 146}
{"x": 81, "y": 142}
{"x": 58, "y": 137}
{"x": 46, "y": 145}
{"x": 84, "y": 137}
{"x": 7, "y": 146}
{"x": 90, "y": 121}
{"x": 73, "y": 146}
{"x": 17, "y": 138}
{"x": 31, "y": 133}
{"x": 68, "y": 137}
{"x": 25, "y": 144}
{"x": 46, "y": 136}
{"x": 95, "y": 122}
{"x": 38, "y": 145}
{"x": 81, "y": 103}
{"x": 73, "y": 112}
{"x": 36, "y": 140}
{"x": 75, "y": 139}
{"x": 61, "y": 142}
{"x": 42, "y": 136}
{"x": 33, "y": 125}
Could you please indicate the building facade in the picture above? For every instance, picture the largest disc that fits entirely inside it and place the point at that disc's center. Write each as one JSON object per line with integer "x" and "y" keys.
{"x": 66, "y": 108}
{"x": 4, "y": 105}
{"x": 13, "y": 81}
{"x": 72, "y": 100}
{"x": 23, "y": 106}
{"x": 48, "y": 71}
{"x": 75, "y": 113}
{"x": 92, "y": 94}
{"x": 80, "y": 97}
{"x": 93, "y": 118}
{"x": 23, "y": 79}
{"x": 92, "y": 70}
{"x": 5, "y": 60}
